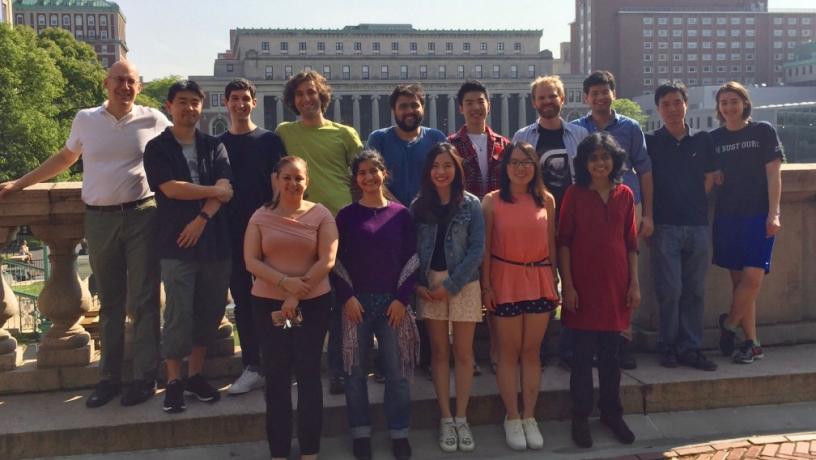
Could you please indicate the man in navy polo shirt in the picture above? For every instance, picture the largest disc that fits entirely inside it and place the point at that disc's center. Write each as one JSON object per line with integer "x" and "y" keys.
{"x": 683, "y": 164}
{"x": 599, "y": 94}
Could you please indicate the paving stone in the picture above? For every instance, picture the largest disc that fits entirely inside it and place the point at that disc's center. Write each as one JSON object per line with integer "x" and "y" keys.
{"x": 774, "y": 439}
{"x": 720, "y": 455}
{"x": 736, "y": 454}
{"x": 802, "y": 447}
{"x": 801, "y": 437}
{"x": 753, "y": 452}
{"x": 731, "y": 444}
{"x": 787, "y": 448}
{"x": 683, "y": 451}
{"x": 769, "y": 450}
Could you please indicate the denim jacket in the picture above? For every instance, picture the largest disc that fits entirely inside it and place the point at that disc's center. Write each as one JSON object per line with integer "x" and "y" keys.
{"x": 464, "y": 245}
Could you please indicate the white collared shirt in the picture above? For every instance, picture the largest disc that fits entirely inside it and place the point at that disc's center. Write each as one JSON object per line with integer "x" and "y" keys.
{"x": 112, "y": 151}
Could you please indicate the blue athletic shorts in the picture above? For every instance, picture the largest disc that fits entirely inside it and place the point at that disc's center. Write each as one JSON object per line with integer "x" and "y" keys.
{"x": 740, "y": 242}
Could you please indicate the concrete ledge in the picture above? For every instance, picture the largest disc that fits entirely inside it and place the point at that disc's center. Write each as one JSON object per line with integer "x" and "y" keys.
{"x": 58, "y": 423}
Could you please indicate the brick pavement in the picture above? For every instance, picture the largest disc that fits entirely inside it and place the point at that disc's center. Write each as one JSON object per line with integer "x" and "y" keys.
{"x": 792, "y": 446}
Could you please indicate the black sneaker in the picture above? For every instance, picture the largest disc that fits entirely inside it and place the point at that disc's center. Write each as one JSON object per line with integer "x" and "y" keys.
{"x": 336, "y": 386}
{"x": 748, "y": 352}
{"x": 197, "y": 386}
{"x": 138, "y": 392}
{"x": 580, "y": 432}
{"x": 619, "y": 429}
{"x": 104, "y": 391}
{"x": 401, "y": 448}
{"x": 361, "y": 447}
{"x": 668, "y": 359}
{"x": 625, "y": 359}
{"x": 174, "y": 397}
{"x": 728, "y": 338}
{"x": 697, "y": 360}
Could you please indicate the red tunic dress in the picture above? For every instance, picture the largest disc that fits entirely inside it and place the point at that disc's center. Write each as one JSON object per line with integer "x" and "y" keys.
{"x": 599, "y": 236}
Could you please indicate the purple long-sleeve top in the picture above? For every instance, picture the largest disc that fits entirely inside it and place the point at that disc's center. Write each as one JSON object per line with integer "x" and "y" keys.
{"x": 377, "y": 252}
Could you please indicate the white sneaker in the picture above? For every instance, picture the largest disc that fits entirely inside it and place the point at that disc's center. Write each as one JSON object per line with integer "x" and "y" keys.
{"x": 514, "y": 434}
{"x": 466, "y": 443}
{"x": 532, "y": 433}
{"x": 447, "y": 436}
{"x": 248, "y": 381}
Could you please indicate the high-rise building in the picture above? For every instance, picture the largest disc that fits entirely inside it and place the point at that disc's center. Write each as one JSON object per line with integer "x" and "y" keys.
{"x": 697, "y": 42}
{"x": 97, "y": 22}
{"x": 364, "y": 63}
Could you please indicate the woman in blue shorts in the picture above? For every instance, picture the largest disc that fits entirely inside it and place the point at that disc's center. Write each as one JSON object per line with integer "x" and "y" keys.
{"x": 747, "y": 216}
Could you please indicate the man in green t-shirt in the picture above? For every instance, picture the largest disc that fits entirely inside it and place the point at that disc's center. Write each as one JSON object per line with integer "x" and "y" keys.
{"x": 328, "y": 147}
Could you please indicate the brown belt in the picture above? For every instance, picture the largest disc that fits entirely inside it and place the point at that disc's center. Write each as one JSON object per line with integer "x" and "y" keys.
{"x": 119, "y": 207}
{"x": 540, "y": 263}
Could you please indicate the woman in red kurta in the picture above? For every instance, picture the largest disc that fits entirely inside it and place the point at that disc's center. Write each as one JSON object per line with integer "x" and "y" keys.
{"x": 597, "y": 244}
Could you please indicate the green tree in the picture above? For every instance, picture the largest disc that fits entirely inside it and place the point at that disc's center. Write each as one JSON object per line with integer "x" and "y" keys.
{"x": 631, "y": 109}
{"x": 154, "y": 92}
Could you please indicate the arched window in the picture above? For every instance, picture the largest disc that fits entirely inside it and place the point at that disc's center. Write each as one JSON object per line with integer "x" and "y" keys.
{"x": 219, "y": 125}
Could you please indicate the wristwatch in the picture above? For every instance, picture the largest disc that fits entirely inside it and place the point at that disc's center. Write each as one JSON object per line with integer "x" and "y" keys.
{"x": 204, "y": 216}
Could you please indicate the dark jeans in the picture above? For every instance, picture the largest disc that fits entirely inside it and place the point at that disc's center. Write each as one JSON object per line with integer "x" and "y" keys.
{"x": 286, "y": 351}
{"x": 585, "y": 345}
{"x": 334, "y": 349}
{"x": 680, "y": 260}
{"x": 241, "y": 288}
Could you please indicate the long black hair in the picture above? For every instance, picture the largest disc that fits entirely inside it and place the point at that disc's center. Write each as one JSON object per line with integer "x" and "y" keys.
{"x": 428, "y": 198}
{"x": 283, "y": 162}
{"x": 535, "y": 187}
{"x": 587, "y": 146}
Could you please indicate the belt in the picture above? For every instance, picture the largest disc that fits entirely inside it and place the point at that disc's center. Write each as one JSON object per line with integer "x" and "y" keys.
{"x": 540, "y": 263}
{"x": 119, "y": 207}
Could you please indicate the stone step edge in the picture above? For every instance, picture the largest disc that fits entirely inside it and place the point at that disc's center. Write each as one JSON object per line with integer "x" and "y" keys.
{"x": 485, "y": 409}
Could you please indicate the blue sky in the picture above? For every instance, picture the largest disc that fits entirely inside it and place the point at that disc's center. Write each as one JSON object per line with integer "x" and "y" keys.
{"x": 183, "y": 37}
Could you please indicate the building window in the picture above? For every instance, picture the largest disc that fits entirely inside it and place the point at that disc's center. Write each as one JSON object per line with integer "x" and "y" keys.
{"x": 706, "y": 21}
{"x": 215, "y": 99}
{"x": 735, "y": 68}
{"x": 720, "y": 56}
{"x": 778, "y": 56}
{"x": 749, "y": 21}
{"x": 478, "y": 71}
{"x": 442, "y": 72}
{"x": 692, "y": 81}
{"x": 92, "y": 34}
{"x": 268, "y": 73}
{"x": 103, "y": 34}
{"x": 735, "y": 45}
{"x": 721, "y": 21}
{"x": 287, "y": 72}
{"x": 691, "y": 45}
{"x": 403, "y": 71}
{"x": 103, "y": 20}
{"x": 721, "y": 45}
{"x": 677, "y": 57}
{"x": 78, "y": 34}
{"x": 721, "y": 33}
{"x": 413, "y": 47}
{"x": 749, "y": 56}
{"x": 302, "y": 47}
{"x": 805, "y": 21}
{"x": 483, "y": 47}
{"x": 792, "y": 32}
{"x": 778, "y": 21}
{"x": 517, "y": 47}
{"x": 791, "y": 45}
{"x": 750, "y": 45}
{"x": 677, "y": 21}
{"x": 20, "y": 19}
{"x": 78, "y": 19}
{"x": 692, "y": 69}
{"x": 284, "y": 47}
{"x": 677, "y": 45}
{"x": 54, "y": 20}
{"x": 647, "y": 33}
{"x": 692, "y": 33}
{"x": 736, "y": 21}
{"x": 707, "y": 33}
{"x": 91, "y": 20}
{"x": 265, "y": 47}
{"x": 662, "y": 45}
{"x": 691, "y": 57}
{"x": 662, "y": 21}
{"x": 423, "y": 72}
{"x": 384, "y": 72}
{"x": 513, "y": 71}
{"x": 663, "y": 69}
{"x": 749, "y": 68}
{"x": 736, "y": 33}
{"x": 358, "y": 47}
{"x": 778, "y": 33}
{"x": 66, "y": 19}
{"x": 706, "y": 69}
{"x": 647, "y": 82}
{"x": 365, "y": 74}
{"x": 677, "y": 69}
{"x": 648, "y": 21}
{"x": 375, "y": 47}
{"x": 321, "y": 47}
{"x": 662, "y": 33}
{"x": 431, "y": 47}
{"x": 346, "y": 72}
{"x": 466, "y": 48}
{"x": 721, "y": 69}
{"x": 806, "y": 33}
{"x": 692, "y": 21}
{"x": 448, "y": 47}
{"x": 647, "y": 69}
{"x": 230, "y": 67}
{"x": 647, "y": 45}
{"x": 500, "y": 47}
{"x": 531, "y": 71}
{"x": 647, "y": 57}
{"x": 792, "y": 21}
{"x": 750, "y": 33}
{"x": 736, "y": 57}
{"x": 394, "y": 47}
{"x": 339, "y": 47}
{"x": 105, "y": 61}
{"x": 662, "y": 57}
{"x": 496, "y": 71}
{"x": 706, "y": 57}
{"x": 460, "y": 72}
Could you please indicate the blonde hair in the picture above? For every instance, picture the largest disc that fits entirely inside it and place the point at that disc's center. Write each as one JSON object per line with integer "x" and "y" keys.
{"x": 548, "y": 80}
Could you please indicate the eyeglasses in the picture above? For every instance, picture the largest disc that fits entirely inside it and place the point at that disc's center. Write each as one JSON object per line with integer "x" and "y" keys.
{"x": 521, "y": 164}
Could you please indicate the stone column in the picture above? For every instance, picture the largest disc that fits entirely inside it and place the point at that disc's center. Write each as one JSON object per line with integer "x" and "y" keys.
{"x": 505, "y": 115}
{"x": 522, "y": 110}
{"x": 63, "y": 300}
{"x": 451, "y": 113}
{"x": 257, "y": 116}
{"x": 8, "y": 308}
{"x": 355, "y": 111}
{"x": 279, "y": 109}
{"x": 432, "y": 110}
{"x": 336, "y": 111}
{"x": 375, "y": 112}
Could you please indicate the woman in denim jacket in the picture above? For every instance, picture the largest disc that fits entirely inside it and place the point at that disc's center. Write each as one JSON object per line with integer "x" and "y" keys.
{"x": 450, "y": 244}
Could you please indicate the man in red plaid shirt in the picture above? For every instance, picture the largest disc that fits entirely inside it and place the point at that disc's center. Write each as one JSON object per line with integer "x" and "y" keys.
{"x": 481, "y": 148}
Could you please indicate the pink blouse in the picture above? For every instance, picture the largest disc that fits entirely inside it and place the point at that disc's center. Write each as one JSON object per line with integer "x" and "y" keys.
{"x": 290, "y": 247}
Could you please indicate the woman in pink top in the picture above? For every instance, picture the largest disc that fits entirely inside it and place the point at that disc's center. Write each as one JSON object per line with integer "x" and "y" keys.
{"x": 518, "y": 284}
{"x": 290, "y": 247}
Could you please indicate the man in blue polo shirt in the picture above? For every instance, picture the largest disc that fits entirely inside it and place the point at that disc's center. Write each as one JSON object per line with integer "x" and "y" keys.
{"x": 405, "y": 145}
{"x": 683, "y": 164}
{"x": 599, "y": 93}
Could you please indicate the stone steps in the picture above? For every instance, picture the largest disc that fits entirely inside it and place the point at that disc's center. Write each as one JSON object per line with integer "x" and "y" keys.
{"x": 58, "y": 423}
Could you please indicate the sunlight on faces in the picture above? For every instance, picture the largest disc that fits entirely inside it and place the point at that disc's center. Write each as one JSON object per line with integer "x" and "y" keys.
{"x": 672, "y": 108}
{"x": 521, "y": 167}
{"x": 443, "y": 171}
{"x": 307, "y": 100}
{"x": 185, "y": 108}
{"x": 240, "y": 104}
{"x": 408, "y": 113}
{"x": 547, "y": 100}
{"x": 600, "y": 164}
{"x": 475, "y": 107}
{"x": 731, "y": 107}
{"x": 600, "y": 98}
{"x": 122, "y": 83}
{"x": 291, "y": 181}
{"x": 369, "y": 177}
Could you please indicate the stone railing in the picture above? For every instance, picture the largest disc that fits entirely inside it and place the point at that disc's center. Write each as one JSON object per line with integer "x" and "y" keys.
{"x": 54, "y": 212}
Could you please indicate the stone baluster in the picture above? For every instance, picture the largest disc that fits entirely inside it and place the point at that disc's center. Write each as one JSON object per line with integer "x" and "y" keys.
{"x": 8, "y": 308}
{"x": 63, "y": 300}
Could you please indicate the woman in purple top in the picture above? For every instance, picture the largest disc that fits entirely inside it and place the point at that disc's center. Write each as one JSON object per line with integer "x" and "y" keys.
{"x": 374, "y": 281}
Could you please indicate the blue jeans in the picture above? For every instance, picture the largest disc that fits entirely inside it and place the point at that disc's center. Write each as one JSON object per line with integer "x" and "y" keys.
{"x": 397, "y": 400}
{"x": 680, "y": 258}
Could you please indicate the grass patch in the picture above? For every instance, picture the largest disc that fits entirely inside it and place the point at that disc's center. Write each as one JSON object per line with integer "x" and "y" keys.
{"x": 33, "y": 289}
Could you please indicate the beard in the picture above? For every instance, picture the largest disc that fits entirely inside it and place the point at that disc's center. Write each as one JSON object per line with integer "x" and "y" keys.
{"x": 550, "y": 111}
{"x": 407, "y": 127}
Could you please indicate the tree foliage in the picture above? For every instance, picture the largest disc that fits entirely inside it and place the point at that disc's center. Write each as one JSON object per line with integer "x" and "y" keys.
{"x": 154, "y": 92}
{"x": 44, "y": 80}
{"x": 631, "y": 109}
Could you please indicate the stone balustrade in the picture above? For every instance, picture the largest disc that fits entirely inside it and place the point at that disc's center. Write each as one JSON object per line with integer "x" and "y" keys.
{"x": 54, "y": 211}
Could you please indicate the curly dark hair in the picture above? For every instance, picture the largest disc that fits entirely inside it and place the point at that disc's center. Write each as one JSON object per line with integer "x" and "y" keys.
{"x": 427, "y": 197}
{"x": 590, "y": 144}
{"x": 535, "y": 187}
{"x": 323, "y": 89}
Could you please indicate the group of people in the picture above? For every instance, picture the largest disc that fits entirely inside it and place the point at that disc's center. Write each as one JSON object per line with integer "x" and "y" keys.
{"x": 407, "y": 240}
